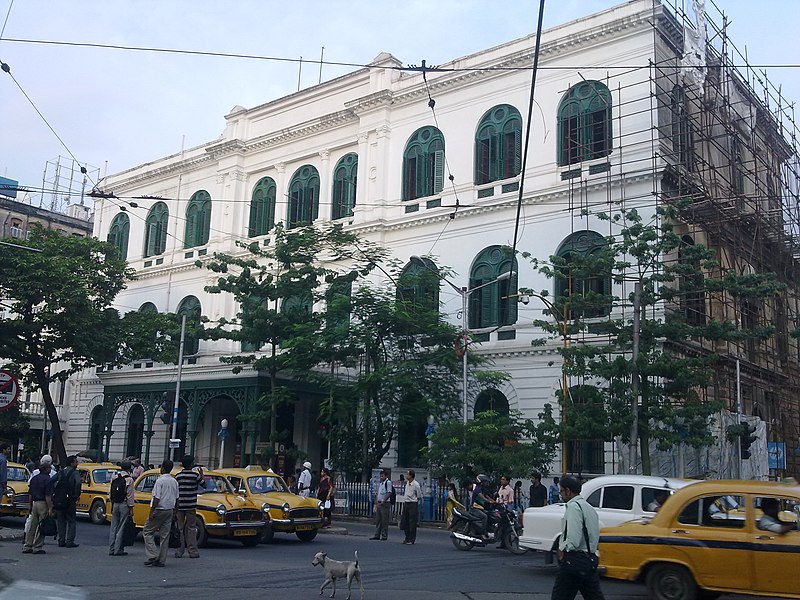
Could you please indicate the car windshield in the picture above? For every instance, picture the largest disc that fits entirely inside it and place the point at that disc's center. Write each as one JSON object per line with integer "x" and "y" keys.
{"x": 215, "y": 483}
{"x": 103, "y": 475}
{"x": 17, "y": 474}
{"x": 261, "y": 484}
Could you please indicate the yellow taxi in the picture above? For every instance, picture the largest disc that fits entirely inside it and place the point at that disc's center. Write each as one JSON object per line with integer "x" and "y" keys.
{"x": 15, "y": 500}
{"x": 289, "y": 513}
{"x": 222, "y": 512}
{"x": 710, "y": 538}
{"x": 95, "y": 487}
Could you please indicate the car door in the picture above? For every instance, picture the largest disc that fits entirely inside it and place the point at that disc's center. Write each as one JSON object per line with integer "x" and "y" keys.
{"x": 616, "y": 505}
{"x": 710, "y": 534}
{"x": 143, "y": 495}
{"x": 775, "y": 555}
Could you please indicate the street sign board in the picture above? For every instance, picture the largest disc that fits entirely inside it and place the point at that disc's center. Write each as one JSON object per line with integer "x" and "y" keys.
{"x": 174, "y": 443}
{"x": 9, "y": 389}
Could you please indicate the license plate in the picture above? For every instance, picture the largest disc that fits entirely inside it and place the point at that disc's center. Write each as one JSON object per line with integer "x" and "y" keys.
{"x": 304, "y": 527}
{"x": 244, "y": 532}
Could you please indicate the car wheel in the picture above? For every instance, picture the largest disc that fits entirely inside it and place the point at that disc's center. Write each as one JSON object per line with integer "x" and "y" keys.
{"x": 306, "y": 536}
{"x": 464, "y": 528}
{"x": 98, "y": 512}
{"x": 202, "y": 534}
{"x": 667, "y": 581}
{"x": 268, "y": 535}
{"x": 251, "y": 541}
{"x": 511, "y": 541}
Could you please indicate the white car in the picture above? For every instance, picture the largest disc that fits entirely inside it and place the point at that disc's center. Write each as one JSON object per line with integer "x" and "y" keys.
{"x": 617, "y": 498}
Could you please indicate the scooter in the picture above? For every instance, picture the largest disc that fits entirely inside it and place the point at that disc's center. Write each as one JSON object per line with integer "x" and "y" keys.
{"x": 502, "y": 526}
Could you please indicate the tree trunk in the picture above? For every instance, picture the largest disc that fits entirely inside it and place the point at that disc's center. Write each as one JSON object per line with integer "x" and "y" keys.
{"x": 644, "y": 428}
{"x": 43, "y": 381}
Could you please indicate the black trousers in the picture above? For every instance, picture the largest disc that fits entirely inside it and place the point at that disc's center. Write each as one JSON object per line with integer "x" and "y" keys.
{"x": 410, "y": 518}
{"x": 577, "y": 573}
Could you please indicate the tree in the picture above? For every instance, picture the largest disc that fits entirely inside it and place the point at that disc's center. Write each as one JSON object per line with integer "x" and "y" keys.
{"x": 276, "y": 288}
{"x": 13, "y": 424}
{"x": 665, "y": 386}
{"x": 60, "y": 320}
{"x": 495, "y": 445}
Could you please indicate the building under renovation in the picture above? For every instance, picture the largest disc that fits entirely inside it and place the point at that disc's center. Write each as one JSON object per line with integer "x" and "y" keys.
{"x": 636, "y": 105}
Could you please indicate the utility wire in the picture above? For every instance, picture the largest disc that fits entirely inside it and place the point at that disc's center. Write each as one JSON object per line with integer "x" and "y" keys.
{"x": 5, "y": 22}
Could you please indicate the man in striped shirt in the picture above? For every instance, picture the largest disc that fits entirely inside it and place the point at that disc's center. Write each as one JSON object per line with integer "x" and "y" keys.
{"x": 188, "y": 483}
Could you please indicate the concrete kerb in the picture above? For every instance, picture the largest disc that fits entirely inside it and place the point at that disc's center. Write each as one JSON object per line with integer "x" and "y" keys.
{"x": 11, "y": 535}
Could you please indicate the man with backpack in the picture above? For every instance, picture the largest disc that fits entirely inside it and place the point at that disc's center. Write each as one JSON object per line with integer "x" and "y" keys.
{"x": 122, "y": 501}
{"x": 383, "y": 504}
{"x": 65, "y": 496}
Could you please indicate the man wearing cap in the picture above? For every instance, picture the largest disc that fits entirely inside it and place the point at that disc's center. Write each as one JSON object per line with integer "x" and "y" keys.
{"x": 304, "y": 481}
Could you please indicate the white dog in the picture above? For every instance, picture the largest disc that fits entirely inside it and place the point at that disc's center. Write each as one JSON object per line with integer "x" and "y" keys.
{"x": 335, "y": 569}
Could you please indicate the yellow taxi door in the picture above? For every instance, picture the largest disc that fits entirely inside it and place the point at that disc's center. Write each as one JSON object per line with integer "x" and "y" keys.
{"x": 775, "y": 556}
{"x": 709, "y": 535}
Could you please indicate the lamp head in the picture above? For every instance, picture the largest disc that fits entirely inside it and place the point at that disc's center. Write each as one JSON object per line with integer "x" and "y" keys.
{"x": 224, "y": 423}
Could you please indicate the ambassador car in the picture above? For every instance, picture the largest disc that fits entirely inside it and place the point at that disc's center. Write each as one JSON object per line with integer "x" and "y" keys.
{"x": 706, "y": 540}
{"x": 15, "y": 500}
{"x": 95, "y": 487}
{"x": 617, "y": 498}
{"x": 222, "y": 513}
{"x": 289, "y": 513}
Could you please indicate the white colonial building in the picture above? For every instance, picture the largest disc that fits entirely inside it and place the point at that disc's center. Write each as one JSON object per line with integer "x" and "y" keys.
{"x": 366, "y": 149}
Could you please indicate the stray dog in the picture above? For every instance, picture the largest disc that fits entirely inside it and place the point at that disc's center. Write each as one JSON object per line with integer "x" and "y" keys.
{"x": 335, "y": 569}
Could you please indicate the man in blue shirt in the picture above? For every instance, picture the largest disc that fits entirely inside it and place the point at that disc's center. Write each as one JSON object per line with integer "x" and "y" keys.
{"x": 383, "y": 497}
{"x": 41, "y": 491}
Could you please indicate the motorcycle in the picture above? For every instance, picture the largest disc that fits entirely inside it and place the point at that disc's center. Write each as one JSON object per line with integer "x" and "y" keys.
{"x": 502, "y": 526}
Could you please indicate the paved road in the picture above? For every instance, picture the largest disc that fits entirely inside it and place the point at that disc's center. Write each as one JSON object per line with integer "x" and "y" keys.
{"x": 282, "y": 570}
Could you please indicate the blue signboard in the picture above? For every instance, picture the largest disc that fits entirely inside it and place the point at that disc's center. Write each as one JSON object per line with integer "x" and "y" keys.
{"x": 8, "y": 187}
{"x": 776, "y": 452}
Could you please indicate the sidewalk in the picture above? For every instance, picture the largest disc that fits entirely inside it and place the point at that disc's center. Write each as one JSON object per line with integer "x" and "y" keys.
{"x": 11, "y": 535}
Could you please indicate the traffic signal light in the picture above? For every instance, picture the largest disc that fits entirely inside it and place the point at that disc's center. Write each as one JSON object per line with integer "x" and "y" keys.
{"x": 166, "y": 406}
{"x": 746, "y": 440}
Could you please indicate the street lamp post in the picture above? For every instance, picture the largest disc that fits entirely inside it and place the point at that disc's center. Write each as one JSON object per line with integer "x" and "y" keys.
{"x": 464, "y": 292}
{"x": 223, "y": 433}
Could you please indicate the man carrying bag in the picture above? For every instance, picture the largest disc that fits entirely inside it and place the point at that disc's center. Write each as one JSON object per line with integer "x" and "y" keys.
{"x": 577, "y": 547}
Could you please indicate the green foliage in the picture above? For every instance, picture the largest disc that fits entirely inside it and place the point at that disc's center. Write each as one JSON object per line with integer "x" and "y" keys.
{"x": 60, "y": 319}
{"x": 13, "y": 424}
{"x": 674, "y": 365}
{"x": 494, "y": 444}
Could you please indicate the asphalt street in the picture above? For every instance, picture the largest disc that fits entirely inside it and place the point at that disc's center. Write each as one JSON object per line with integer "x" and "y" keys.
{"x": 431, "y": 568}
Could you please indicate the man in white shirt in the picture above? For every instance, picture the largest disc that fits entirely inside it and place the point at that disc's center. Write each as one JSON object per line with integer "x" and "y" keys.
{"x": 410, "y": 515}
{"x": 383, "y": 498}
{"x": 304, "y": 481}
{"x": 162, "y": 509}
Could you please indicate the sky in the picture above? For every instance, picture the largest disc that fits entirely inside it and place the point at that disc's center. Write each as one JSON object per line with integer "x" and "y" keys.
{"x": 115, "y": 109}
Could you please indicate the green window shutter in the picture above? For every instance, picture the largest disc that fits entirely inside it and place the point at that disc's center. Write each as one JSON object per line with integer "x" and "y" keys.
{"x": 438, "y": 171}
{"x": 517, "y": 152}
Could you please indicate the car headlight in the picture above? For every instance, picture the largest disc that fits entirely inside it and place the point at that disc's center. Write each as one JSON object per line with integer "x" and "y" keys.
{"x": 9, "y": 492}
{"x": 285, "y": 507}
{"x": 265, "y": 507}
{"x": 221, "y": 510}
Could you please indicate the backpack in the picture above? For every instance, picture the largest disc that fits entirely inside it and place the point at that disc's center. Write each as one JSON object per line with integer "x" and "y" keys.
{"x": 118, "y": 489}
{"x": 392, "y": 496}
{"x": 62, "y": 494}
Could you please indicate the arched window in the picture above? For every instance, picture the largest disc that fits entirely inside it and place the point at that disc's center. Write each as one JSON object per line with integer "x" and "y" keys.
{"x": 155, "y": 237}
{"x": 303, "y": 197}
{"x": 344, "y": 186}
{"x": 681, "y": 127}
{"x": 419, "y": 285}
{"x": 96, "y": 428}
{"x": 135, "y": 431}
{"x": 584, "y": 123}
{"x": 693, "y": 296}
{"x": 198, "y": 220}
{"x": 498, "y": 145}
{"x": 148, "y": 307}
{"x": 578, "y": 284}
{"x": 190, "y": 306}
{"x": 412, "y": 421}
{"x": 262, "y": 207}
{"x": 585, "y": 455}
{"x": 423, "y": 164}
{"x": 493, "y": 400}
{"x": 496, "y": 303}
{"x": 118, "y": 234}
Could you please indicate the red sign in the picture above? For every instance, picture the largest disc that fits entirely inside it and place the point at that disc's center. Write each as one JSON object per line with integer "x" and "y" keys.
{"x": 9, "y": 389}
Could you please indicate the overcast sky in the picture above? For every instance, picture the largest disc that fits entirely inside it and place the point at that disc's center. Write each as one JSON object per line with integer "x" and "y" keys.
{"x": 123, "y": 108}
